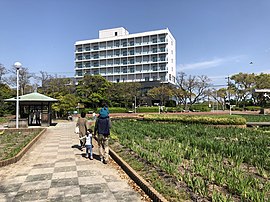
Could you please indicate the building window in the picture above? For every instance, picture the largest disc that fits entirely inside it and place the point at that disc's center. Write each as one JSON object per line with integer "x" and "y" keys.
{"x": 117, "y": 53}
{"x": 79, "y": 73}
{"x": 87, "y": 64}
{"x": 154, "y": 68}
{"x": 117, "y": 70}
{"x": 162, "y": 49}
{"x": 79, "y": 65}
{"x": 162, "y": 39}
{"x": 162, "y": 78}
{"x": 131, "y": 61}
{"x": 154, "y": 40}
{"x": 116, "y": 43}
{"x": 170, "y": 77}
{"x": 131, "y": 52}
{"x": 115, "y": 33}
{"x": 95, "y": 64}
{"x": 162, "y": 67}
{"x": 162, "y": 58}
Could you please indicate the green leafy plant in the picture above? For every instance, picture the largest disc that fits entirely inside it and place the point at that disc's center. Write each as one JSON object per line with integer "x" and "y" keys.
{"x": 202, "y": 156}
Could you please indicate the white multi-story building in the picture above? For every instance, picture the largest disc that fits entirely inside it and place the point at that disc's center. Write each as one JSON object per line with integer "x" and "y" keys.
{"x": 122, "y": 57}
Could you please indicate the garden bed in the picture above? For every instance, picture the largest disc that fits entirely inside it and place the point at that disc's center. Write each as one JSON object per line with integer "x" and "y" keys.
{"x": 197, "y": 119}
{"x": 197, "y": 162}
{"x": 15, "y": 142}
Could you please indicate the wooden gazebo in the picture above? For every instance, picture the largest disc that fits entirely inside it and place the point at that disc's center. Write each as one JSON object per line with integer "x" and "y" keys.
{"x": 35, "y": 108}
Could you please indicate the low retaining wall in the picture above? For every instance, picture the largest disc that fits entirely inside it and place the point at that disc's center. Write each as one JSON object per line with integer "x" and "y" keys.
{"x": 145, "y": 186}
{"x": 23, "y": 123}
{"x": 24, "y": 150}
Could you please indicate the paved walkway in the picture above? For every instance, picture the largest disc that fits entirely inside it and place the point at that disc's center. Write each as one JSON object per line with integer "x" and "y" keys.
{"x": 54, "y": 169}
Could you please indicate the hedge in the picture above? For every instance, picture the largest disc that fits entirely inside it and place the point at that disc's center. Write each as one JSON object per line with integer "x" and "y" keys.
{"x": 199, "y": 119}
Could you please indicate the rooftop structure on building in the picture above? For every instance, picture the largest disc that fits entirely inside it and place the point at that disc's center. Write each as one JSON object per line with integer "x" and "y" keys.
{"x": 122, "y": 57}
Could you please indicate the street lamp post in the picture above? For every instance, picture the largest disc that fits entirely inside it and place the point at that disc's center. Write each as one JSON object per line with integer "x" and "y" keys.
{"x": 18, "y": 66}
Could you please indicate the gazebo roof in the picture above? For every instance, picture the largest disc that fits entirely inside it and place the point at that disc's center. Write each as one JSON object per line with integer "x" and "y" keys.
{"x": 32, "y": 97}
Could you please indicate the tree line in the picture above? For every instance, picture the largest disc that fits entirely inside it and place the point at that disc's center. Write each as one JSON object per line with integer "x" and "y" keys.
{"x": 92, "y": 91}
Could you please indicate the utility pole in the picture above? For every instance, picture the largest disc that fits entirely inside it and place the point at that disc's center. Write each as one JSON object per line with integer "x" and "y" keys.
{"x": 135, "y": 104}
{"x": 229, "y": 94}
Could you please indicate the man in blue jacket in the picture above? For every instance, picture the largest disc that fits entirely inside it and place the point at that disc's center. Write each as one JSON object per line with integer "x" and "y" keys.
{"x": 102, "y": 128}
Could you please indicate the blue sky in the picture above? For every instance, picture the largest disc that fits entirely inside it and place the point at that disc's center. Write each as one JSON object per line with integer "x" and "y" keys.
{"x": 214, "y": 38}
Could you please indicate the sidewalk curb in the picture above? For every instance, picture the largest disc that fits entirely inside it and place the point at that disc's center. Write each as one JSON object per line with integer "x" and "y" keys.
{"x": 144, "y": 185}
{"x": 23, "y": 151}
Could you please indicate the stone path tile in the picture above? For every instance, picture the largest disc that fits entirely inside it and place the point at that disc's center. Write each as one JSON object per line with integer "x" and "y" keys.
{"x": 54, "y": 169}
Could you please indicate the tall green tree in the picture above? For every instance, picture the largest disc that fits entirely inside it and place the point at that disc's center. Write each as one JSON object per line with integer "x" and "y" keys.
{"x": 56, "y": 87}
{"x": 123, "y": 94}
{"x": 66, "y": 103}
{"x": 91, "y": 90}
{"x": 5, "y": 93}
{"x": 161, "y": 93}
{"x": 243, "y": 86}
{"x": 62, "y": 89}
{"x": 262, "y": 82}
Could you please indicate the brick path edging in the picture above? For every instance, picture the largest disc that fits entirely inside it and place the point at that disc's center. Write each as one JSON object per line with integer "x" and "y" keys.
{"x": 144, "y": 185}
{"x": 23, "y": 151}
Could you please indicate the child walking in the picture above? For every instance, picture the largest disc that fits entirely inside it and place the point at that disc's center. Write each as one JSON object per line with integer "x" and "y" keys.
{"x": 88, "y": 144}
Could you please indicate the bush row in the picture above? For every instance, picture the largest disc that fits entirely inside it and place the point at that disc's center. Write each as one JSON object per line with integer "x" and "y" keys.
{"x": 198, "y": 119}
{"x": 247, "y": 108}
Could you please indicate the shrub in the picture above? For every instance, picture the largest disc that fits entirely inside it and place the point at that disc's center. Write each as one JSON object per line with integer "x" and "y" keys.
{"x": 170, "y": 103}
{"x": 252, "y": 108}
{"x": 200, "y": 108}
{"x": 147, "y": 109}
{"x": 198, "y": 119}
{"x": 115, "y": 110}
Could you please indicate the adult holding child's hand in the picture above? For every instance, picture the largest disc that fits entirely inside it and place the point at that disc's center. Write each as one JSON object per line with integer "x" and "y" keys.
{"x": 82, "y": 124}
